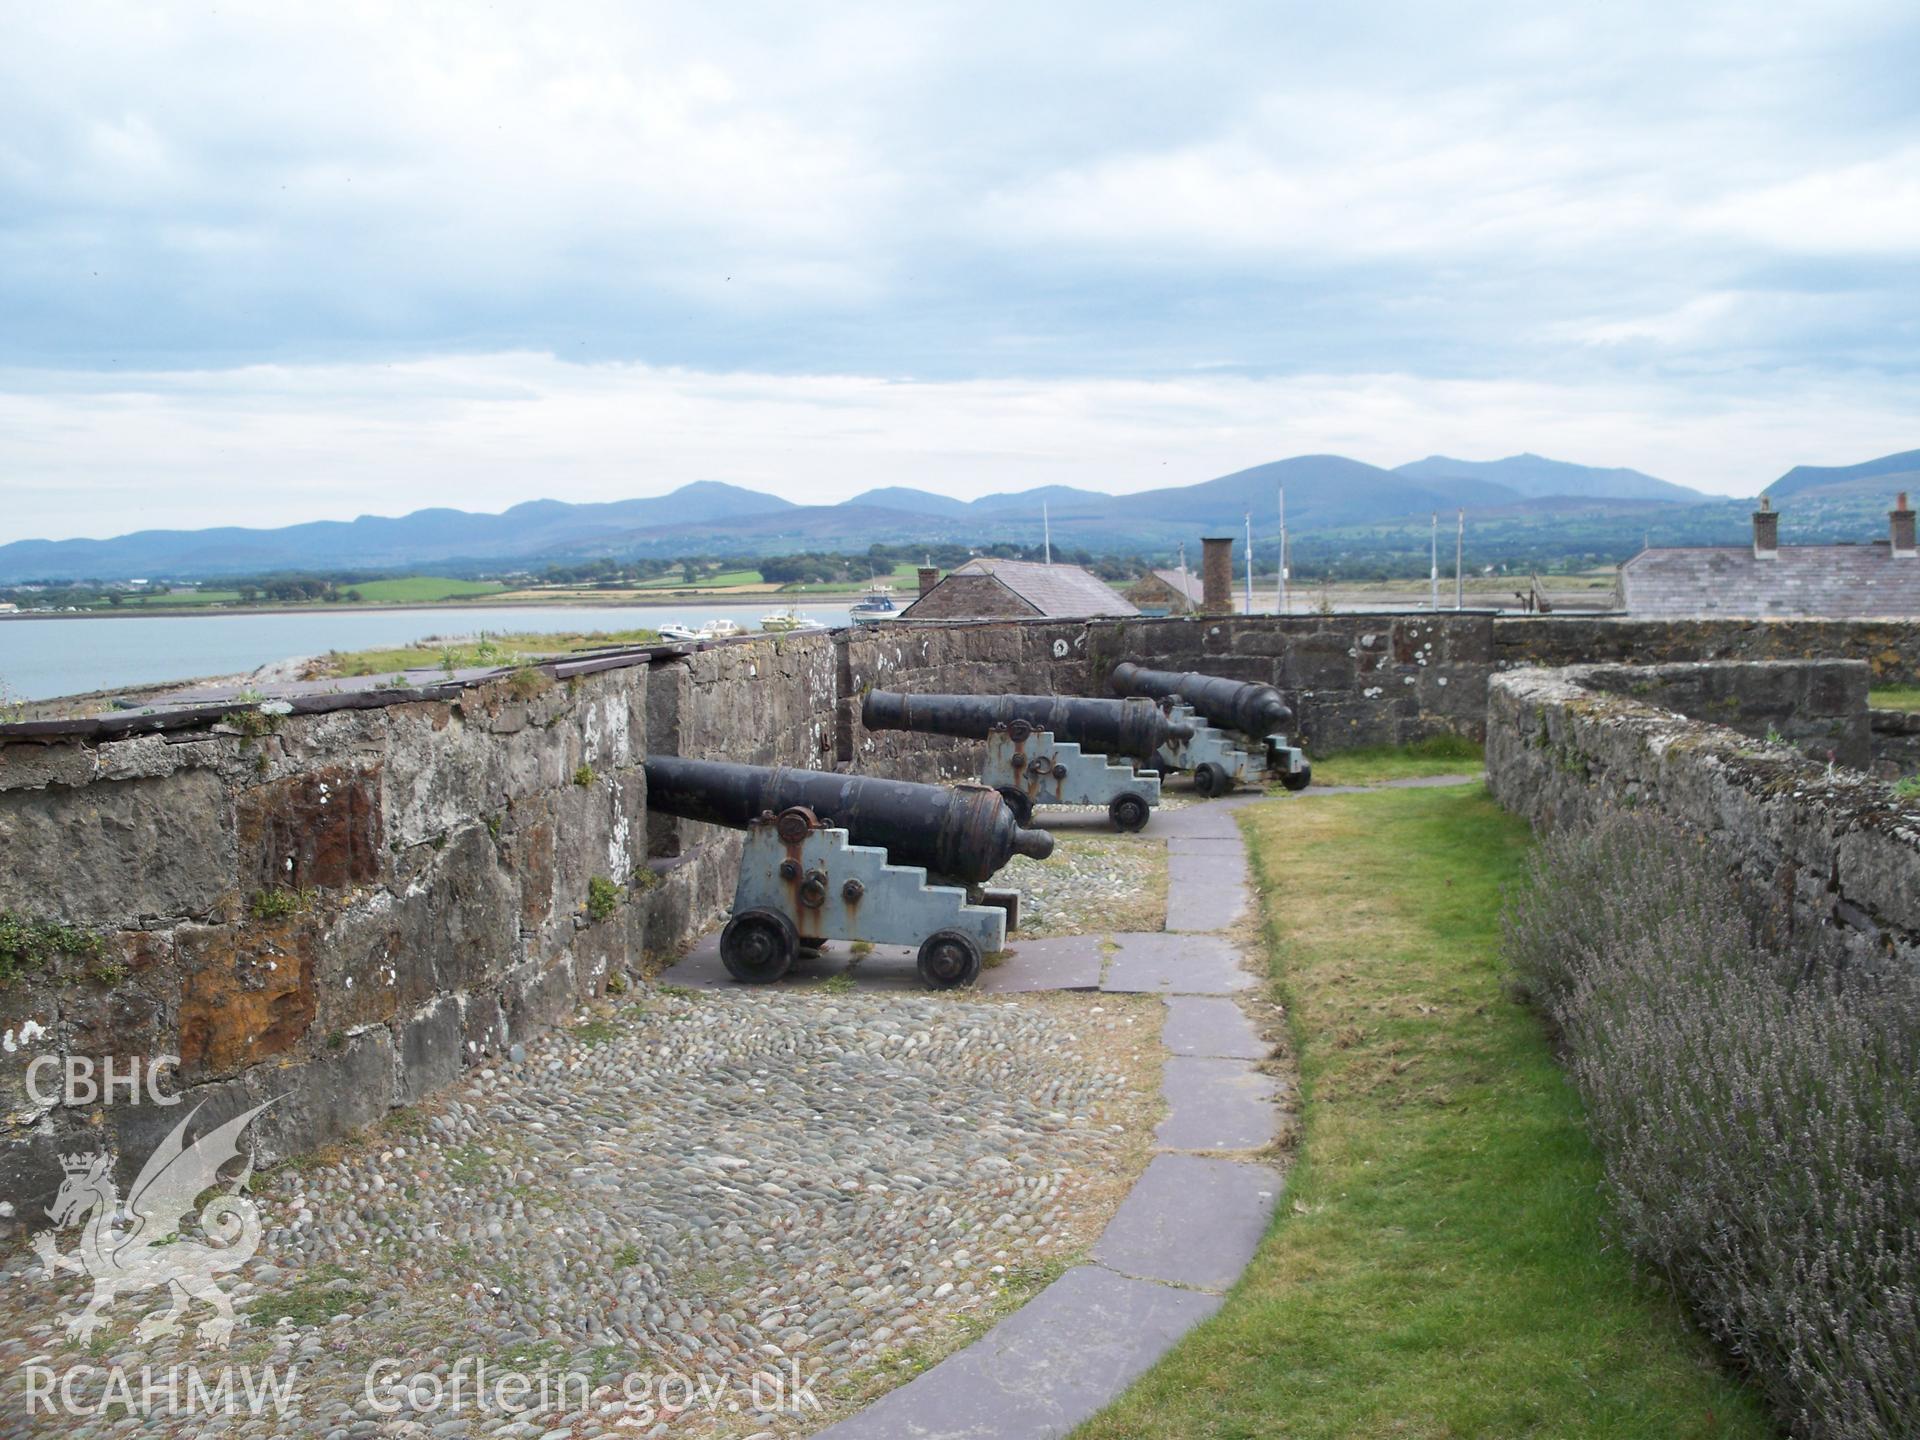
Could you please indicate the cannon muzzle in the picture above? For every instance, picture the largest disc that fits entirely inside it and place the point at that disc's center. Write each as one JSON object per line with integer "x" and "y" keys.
{"x": 962, "y": 833}
{"x": 1249, "y": 708}
{"x": 1109, "y": 727}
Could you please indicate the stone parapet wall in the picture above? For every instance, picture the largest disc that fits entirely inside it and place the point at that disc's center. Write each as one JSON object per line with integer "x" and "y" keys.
{"x": 1836, "y": 850}
{"x": 1818, "y": 707}
{"x": 339, "y": 910}
{"x": 1891, "y": 648}
{"x": 1896, "y": 743}
{"x": 434, "y": 855}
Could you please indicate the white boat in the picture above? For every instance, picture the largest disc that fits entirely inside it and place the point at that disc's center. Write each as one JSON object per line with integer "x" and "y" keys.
{"x": 779, "y": 622}
{"x": 876, "y": 604}
{"x": 682, "y": 632}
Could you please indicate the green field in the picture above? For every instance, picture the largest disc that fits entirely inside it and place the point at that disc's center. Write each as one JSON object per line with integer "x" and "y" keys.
{"x": 483, "y": 650}
{"x": 148, "y": 602}
{"x": 720, "y": 580}
{"x": 1437, "y": 1265}
{"x": 1895, "y": 697}
{"x": 419, "y": 589}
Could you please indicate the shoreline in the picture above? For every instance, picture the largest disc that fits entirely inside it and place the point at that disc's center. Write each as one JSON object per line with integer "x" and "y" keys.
{"x": 176, "y": 612}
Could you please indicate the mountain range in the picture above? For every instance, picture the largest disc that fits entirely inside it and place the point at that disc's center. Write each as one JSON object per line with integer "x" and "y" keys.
{"x": 1323, "y": 493}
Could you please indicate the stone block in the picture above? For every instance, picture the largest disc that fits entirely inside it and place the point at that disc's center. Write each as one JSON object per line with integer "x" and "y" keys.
{"x": 1057, "y": 1360}
{"x": 428, "y": 1050}
{"x": 34, "y": 767}
{"x": 136, "y": 1013}
{"x": 535, "y": 993}
{"x": 325, "y": 1098}
{"x": 30, "y": 1175}
{"x": 374, "y": 960}
{"x": 247, "y": 994}
{"x": 117, "y": 852}
{"x": 483, "y": 1026}
{"x": 1190, "y": 1220}
{"x": 319, "y": 829}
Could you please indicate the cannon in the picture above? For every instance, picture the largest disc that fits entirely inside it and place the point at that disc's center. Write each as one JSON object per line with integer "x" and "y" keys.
{"x": 848, "y": 857}
{"x": 1218, "y": 763}
{"x": 1047, "y": 749}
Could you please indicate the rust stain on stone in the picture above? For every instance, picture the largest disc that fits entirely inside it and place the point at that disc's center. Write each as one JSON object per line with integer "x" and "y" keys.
{"x": 247, "y": 995}
{"x": 318, "y": 830}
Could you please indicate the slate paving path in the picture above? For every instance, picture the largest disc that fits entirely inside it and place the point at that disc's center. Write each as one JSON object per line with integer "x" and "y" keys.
{"x": 1188, "y": 1227}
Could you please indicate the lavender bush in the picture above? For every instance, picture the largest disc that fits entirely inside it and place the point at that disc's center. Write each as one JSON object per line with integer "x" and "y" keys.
{"x": 1758, "y": 1115}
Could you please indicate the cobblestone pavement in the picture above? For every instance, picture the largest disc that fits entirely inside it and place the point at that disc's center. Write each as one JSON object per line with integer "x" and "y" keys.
{"x": 663, "y": 1218}
{"x": 1092, "y": 883}
{"x": 668, "y": 1201}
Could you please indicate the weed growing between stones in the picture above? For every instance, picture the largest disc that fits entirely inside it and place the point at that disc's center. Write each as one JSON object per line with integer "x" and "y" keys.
{"x": 1756, "y": 1111}
{"x": 584, "y": 776}
{"x": 603, "y": 898}
{"x": 279, "y": 902}
{"x": 251, "y": 724}
{"x": 33, "y": 945}
{"x": 527, "y": 681}
{"x": 314, "y": 1299}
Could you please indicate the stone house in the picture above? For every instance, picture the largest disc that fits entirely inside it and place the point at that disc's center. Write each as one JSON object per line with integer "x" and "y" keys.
{"x": 1880, "y": 580}
{"x": 987, "y": 589}
{"x": 1166, "y": 592}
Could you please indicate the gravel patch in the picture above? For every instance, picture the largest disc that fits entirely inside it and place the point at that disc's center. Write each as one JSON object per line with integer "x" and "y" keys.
{"x": 706, "y": 1186}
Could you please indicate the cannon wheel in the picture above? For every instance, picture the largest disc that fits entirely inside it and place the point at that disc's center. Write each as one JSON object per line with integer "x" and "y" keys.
{"x": 949, "y": 959}
{"x": 1298, "y": 779}
{"x": 1129, "y": 812}
{"x": 1212, "y": 779}
{"x": 759, "y": 946}
{"x": 1020, "y": 804}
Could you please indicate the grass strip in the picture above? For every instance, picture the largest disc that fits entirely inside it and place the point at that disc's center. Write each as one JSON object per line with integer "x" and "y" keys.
{"x": 1436, "y": 1267}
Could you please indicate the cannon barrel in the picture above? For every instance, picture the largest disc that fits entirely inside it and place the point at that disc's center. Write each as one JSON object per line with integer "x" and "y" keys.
{"x": 1109, "y": 727}
{"x": 1251, "y": 709}
{"x": 964, "y": 833}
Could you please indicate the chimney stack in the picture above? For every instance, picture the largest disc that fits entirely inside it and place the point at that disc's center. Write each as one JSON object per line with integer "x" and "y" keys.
{"x": 1216, "y": 575}
{"x": 1766, "y": 531}
{"x": 1902, "y": 517}
{"x": 929, "y": 577}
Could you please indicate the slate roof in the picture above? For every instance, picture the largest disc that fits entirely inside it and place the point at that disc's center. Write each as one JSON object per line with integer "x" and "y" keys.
{"x": 1058, "y": 592}
{"x": 1825, "y": 581}
{"x": 1190, "y": 587}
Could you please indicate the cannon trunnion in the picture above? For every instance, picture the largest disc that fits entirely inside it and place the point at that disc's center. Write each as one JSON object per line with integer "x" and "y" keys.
{"x": 846, "y": 857}
{"x": 1047, "y": 749}
{"x": 1214, "y": 706}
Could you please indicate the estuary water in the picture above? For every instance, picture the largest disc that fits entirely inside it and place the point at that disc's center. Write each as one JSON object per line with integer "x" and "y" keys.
{"x": 43, "y": 658}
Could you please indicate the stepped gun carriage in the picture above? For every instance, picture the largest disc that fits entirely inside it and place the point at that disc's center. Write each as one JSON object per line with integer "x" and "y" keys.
{"x": 847, "y": 857}
{"x": 1230, "y": 721}
{"x": 1047, "y": 749}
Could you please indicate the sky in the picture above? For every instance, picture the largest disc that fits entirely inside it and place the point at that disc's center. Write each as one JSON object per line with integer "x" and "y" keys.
{"x": 271, "y": 262}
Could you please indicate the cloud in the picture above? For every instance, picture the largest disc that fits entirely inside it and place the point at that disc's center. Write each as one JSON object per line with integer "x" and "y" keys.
{"x": 307, "y": 223}
{"x": 102, "y": 453}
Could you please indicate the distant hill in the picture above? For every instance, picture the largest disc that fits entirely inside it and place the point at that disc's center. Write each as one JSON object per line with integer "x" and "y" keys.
{"x": 915, "y": 502}
{"x": 1878, "y": 480}
{"x": 373, "y": 541}
{"x": 1322, "y": 490}
{"x": 1537, "y": 477}
{"x": 1029, "y": 502}
{"x": 1562, "y": 507}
